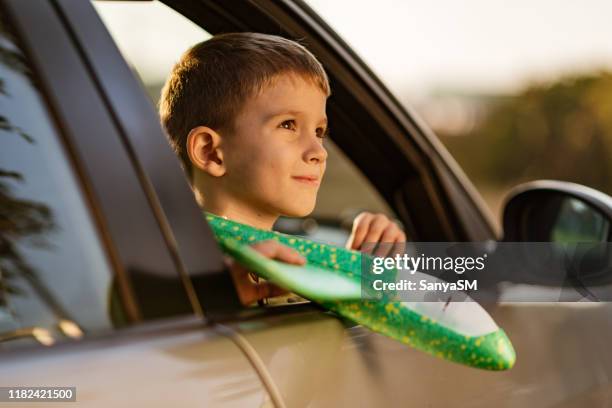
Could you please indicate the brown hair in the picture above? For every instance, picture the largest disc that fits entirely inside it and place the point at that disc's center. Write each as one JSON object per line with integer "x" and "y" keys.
{"x": 213, "y": 80}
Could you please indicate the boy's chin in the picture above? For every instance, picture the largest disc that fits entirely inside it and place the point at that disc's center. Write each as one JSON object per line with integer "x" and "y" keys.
{"x": 298, "y": 212}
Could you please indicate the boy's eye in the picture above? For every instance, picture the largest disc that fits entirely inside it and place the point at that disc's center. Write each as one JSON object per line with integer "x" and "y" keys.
{"x": 322, "y": 132}
{"x": 288, "y": 124}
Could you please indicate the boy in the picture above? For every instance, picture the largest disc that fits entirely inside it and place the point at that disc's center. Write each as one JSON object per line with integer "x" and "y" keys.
{"x": 246, "y": 114}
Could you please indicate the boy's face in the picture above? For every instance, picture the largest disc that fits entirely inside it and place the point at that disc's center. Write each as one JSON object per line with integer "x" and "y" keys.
{"x": 275, "y": 159}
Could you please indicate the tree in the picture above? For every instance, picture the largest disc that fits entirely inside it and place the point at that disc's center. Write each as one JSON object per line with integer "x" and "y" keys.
{"x": 561, "y": 130}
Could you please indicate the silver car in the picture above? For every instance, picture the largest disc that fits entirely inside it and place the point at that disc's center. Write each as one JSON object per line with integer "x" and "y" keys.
{"x": 113, "y": 284}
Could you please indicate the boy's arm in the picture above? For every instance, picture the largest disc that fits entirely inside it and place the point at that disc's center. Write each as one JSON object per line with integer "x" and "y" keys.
{"x": 250, "y": 291}
{"x": 370, "y": 229}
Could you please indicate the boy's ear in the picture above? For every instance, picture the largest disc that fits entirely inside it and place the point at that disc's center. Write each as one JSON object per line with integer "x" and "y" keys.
{"x": 203, "y": 149}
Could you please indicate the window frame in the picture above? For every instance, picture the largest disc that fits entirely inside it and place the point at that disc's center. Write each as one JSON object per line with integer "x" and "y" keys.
{"x": 430, "y": 193}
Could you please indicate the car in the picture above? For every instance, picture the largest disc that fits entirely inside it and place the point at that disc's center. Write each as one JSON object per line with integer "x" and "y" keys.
{"x": 112, "y": 281}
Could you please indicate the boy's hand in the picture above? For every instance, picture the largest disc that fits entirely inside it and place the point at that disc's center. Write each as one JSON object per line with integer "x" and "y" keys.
{"x": 249, "y": 291}
{"x": 371, "y": 229}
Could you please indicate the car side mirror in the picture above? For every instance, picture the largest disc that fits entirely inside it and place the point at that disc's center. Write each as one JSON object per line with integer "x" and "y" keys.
{"x": 557, "y": 211}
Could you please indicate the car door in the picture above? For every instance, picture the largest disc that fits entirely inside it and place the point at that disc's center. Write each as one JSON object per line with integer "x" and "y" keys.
{"x": 92, "y": 296}
{"x": 309, "y": 357}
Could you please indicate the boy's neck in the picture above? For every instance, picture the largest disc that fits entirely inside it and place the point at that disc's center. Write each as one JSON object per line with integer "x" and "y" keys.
{"x": 250, "y": 217}
{"x": 217, "y": 201}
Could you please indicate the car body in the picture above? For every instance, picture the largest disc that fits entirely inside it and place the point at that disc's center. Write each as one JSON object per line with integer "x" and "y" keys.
{"x": 181, "y": 337}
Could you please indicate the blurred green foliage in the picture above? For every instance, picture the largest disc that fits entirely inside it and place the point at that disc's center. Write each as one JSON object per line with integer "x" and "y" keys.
{"x": 561, "y": 130}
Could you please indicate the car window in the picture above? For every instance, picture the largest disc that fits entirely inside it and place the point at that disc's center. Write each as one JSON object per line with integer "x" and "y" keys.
{"x": 156, "y": 43}
{"x": 54, "y": 274}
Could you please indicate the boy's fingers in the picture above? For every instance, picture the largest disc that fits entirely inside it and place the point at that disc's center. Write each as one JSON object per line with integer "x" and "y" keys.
{"x": 259, "y": 291}
{"x": 399, "y": 247}
{"x": 249, "y": 292}
{"x": 244, "y": 288}
{"x": 275, "y": 250}
{"x": 361, "y": 225}
{"x": 267, "y": 289}
{"x": 392, "y": 234}
{"x": 376, "y": 229}
{"x": 387, "y": 238}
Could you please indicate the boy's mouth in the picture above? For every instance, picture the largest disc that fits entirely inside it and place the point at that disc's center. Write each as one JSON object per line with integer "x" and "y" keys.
{"x": 311, "y": 180}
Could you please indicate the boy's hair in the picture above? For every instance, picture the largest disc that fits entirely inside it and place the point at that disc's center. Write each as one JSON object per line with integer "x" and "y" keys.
{"x": 215, "y": 78}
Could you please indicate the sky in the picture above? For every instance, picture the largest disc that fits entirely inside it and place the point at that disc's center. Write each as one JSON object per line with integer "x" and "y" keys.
{"x": 487, "y": 45}
{"x": 417, "y": 47}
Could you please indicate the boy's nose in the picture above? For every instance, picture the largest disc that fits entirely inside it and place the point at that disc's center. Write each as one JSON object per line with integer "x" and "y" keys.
{"x": 315, "y": 153}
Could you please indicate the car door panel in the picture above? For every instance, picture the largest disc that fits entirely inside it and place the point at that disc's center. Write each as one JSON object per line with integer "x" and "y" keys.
{"x": 306, "y": 353}
{"x": 317, "y": 361}
{"x": 177, "y": 363}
